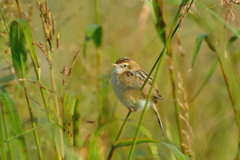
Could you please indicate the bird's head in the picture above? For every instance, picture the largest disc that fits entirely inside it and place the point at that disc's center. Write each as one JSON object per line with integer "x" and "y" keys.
{"x": 124, "y": 64}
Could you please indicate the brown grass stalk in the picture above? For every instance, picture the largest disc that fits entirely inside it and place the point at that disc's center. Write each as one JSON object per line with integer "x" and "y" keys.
{"x": 37, "y": 83}
{"x": 73, "y": 62}
{"x": 171, "y": 70}
{"x": 19, "y": 9}
{"x": 185, "y": 118}
{"x": 46, "y": 21}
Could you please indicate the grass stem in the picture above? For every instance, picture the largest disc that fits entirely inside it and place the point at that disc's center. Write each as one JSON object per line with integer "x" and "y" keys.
{"x": 232, "y": 102}
{"x": 4, "y": 20}
{"x": 117, "y": 138}
{"x": 33, "y": 123}
{"x": 174, "y": 28}
{"x": 7, "y": 134}
{"x": 19, "y": 9}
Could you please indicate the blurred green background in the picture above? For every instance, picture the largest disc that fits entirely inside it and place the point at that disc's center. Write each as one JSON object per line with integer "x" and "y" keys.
{"x": 128, "y": 31}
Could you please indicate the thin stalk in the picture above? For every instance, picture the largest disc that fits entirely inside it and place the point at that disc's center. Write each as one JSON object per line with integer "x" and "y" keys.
{"x": 2, "y": 152}
{"x": 45, "y": 102}
{"x": 19, "y": 9}
{"x": 119, "y": 133}
{"x": 7, "y": 134}
{"x": 55, "y": 90}
{"x": 232, "y": 102}
{"x": 99, "y": 86}
{"x": 177, "y": 108}
{"x": 33, "y": 124}
{"x": 174, "y": 28}
{"x": 171, "y": 70}
{"x": 54, "y": 95}
{"x": 213, "y": 68}
{"x": 4, "y": 20}
{"x": 144, "y": 111}
{"x": 57, "y": 106}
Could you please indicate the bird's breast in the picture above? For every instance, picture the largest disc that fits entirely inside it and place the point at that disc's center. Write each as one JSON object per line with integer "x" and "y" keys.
{"x": 123, "y": 94}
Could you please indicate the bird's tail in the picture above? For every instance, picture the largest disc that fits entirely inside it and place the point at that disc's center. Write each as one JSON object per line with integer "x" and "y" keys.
{"x": 158, "y": 118}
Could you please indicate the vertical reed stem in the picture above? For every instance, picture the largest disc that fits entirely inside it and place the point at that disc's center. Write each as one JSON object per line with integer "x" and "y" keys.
{"x": 7, "y": 134}
{"x": 233, "y": 104}
{"x": 4, "y": 20}
{"x": 33, "y": 124}
{"x": 2, "y": 148}
{"x": 19, "y": 9}
{"x": 171, "y": 70}
{"x": 119, "y": 133}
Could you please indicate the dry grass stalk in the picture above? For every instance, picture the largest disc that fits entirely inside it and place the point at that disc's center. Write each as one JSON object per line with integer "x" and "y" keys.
{"x": 46, "y": 21}
{"x": 185, "y": 117}
{"x": 64, "y": 72}
{"x": 228, "y": 5}
{"x": 235, "y": 1}
{"x": 37, "y": 83}
{"x": 58, "y": 35}
{"x": 180, "y": 48}
{"x": 183, "y": 13}
{"x": 53, "y": 24}
{"x": 73, "y": 62}
{"x": 30, "y": 15}
{"x": 45, "y": 52}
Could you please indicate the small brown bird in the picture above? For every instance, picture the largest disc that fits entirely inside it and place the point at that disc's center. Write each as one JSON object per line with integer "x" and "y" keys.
{"x": 127, "y": 79}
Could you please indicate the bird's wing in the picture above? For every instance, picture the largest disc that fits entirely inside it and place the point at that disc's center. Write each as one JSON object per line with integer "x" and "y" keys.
{"x": 142, "y": 75}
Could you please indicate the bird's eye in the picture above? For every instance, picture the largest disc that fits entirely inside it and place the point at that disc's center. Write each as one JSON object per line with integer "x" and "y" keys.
{"x": 124, "y": 65}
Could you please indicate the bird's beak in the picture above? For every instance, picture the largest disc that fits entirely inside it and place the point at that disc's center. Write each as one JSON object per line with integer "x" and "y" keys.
{"x": 115, "y": 64}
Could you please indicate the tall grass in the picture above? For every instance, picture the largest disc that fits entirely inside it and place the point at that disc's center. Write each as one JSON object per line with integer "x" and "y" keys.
{"x": 56, "y": 100}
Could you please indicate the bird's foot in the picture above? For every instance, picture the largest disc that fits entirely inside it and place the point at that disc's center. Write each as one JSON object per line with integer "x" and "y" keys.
{"x": 132, "y": 109}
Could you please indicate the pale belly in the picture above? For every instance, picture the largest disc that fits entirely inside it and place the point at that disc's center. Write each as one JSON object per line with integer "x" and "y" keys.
{"x": 126, "y": 98}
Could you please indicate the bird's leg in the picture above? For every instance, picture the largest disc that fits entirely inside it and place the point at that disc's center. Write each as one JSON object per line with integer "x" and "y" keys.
{"x": 132, "y": 109}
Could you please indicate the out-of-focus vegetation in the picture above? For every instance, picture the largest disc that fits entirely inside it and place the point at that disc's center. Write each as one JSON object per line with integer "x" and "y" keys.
{"x": 63, "y": 105}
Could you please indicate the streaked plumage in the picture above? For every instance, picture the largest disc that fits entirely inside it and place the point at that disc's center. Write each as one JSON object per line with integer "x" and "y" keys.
{"x": 127, "y": 79}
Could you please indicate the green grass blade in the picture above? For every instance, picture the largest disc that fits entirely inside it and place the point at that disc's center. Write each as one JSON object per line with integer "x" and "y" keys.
{"x": 197, "y": 46}
{"x": 209, "y": 75}
{"x": 94, "y": 32}
{"x": 174, "y": 28}
{"x": 3, "y": 154}
{"x": 20, "y": 34}
{"x": 19, "y": 52}
{"x": 7, "y": 78}
{"x": 216, "y": 15}
{"x": 4, "y": 20}
{"x": 25, "y": 29}
{"x": 28, "y": 131}
{"x": 148, "y": 134}
{"x": 76, "y": 123}
{"x": 14, "y": 121}
{"x": 178, "y": 154}
{"x": 210, "y": 43}
{"x": 129, "y": 142}
{"x": 232, "y": 39}
{"x": 69, "y": 103}
{"x": 94, "y": 146}
{"x": 157, "y": 18}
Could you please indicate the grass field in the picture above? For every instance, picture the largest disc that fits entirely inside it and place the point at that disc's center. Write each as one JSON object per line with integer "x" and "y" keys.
{"x": 55, "y": 93}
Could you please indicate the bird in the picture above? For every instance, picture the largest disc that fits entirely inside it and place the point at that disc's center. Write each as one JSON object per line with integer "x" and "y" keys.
{"x": 127, "y": 80}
